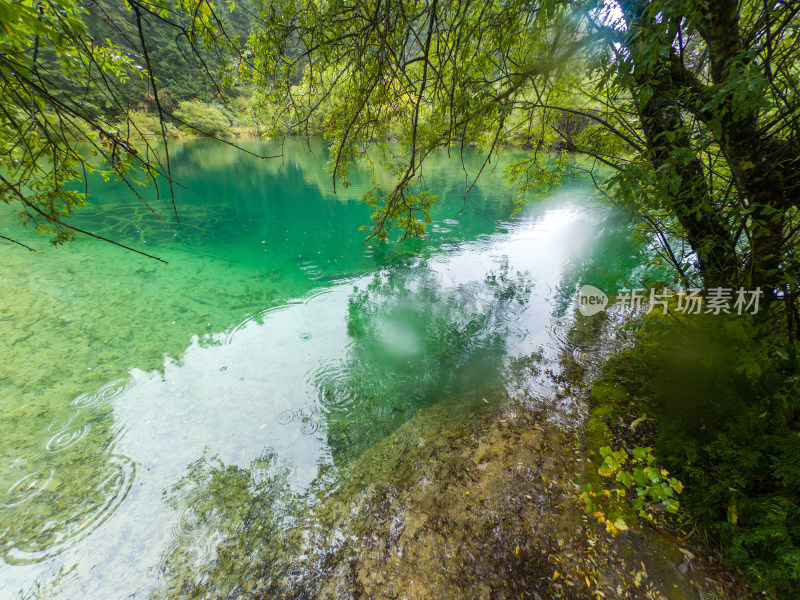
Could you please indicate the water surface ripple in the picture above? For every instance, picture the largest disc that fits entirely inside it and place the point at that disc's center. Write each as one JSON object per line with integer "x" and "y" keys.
{"x": 165, "y": 427}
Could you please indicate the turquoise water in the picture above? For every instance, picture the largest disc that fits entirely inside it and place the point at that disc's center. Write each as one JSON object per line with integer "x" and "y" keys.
{"x": 272, "y": 352}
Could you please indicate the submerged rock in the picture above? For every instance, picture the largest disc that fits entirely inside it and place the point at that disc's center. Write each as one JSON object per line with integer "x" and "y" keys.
{"x": 452, "y": 507}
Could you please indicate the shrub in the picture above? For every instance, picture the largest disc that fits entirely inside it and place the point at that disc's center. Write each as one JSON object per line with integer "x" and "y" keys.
{"x": 202, "y": 118}
{"x": 720, "y": 402}
{"x": 143, "y": 126}
{"x": 633, "y": 483}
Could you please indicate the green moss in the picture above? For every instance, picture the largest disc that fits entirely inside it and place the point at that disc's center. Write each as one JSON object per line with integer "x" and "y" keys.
{"x": 597, "y": 435}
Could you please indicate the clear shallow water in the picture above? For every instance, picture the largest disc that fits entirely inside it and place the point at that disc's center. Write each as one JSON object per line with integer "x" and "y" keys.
{"x": 275, "y": 346}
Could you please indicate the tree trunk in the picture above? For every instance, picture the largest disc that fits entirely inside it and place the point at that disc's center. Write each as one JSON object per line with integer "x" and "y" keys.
{"x": 751, "y": 157}
{"x": 669, "y": 148}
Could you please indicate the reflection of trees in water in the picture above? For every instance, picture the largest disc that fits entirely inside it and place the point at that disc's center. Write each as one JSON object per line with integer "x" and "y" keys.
{"x": 233, "y": 537}
{"x": 229, "y": 191}
{"x": 62, "y": 480}
{"x": 240, "y": 531}
{"x": 442, "y": 171}
{"x": 614, "y": 260}
{"x": 415, "y": 342}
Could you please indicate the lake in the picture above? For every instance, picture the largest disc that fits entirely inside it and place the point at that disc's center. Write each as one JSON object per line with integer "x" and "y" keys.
{"x": 148, "y": 409}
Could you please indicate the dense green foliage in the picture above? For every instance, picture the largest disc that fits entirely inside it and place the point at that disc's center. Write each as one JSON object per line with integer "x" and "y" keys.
{"x": 692, "y": 104}
{"x": 203, "y": 117}
{"x": 184, "y": 68}
{"x": 721, "y": 406}
{"x": 72, "y": 77}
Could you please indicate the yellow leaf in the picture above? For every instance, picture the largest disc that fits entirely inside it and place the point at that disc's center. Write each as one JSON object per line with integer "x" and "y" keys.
{"x": 733, "y": 516}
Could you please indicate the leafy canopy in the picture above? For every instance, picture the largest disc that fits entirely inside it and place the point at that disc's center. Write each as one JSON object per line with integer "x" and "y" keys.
{"x": 692, "y": 105}
{"x": 54, "y": 72}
